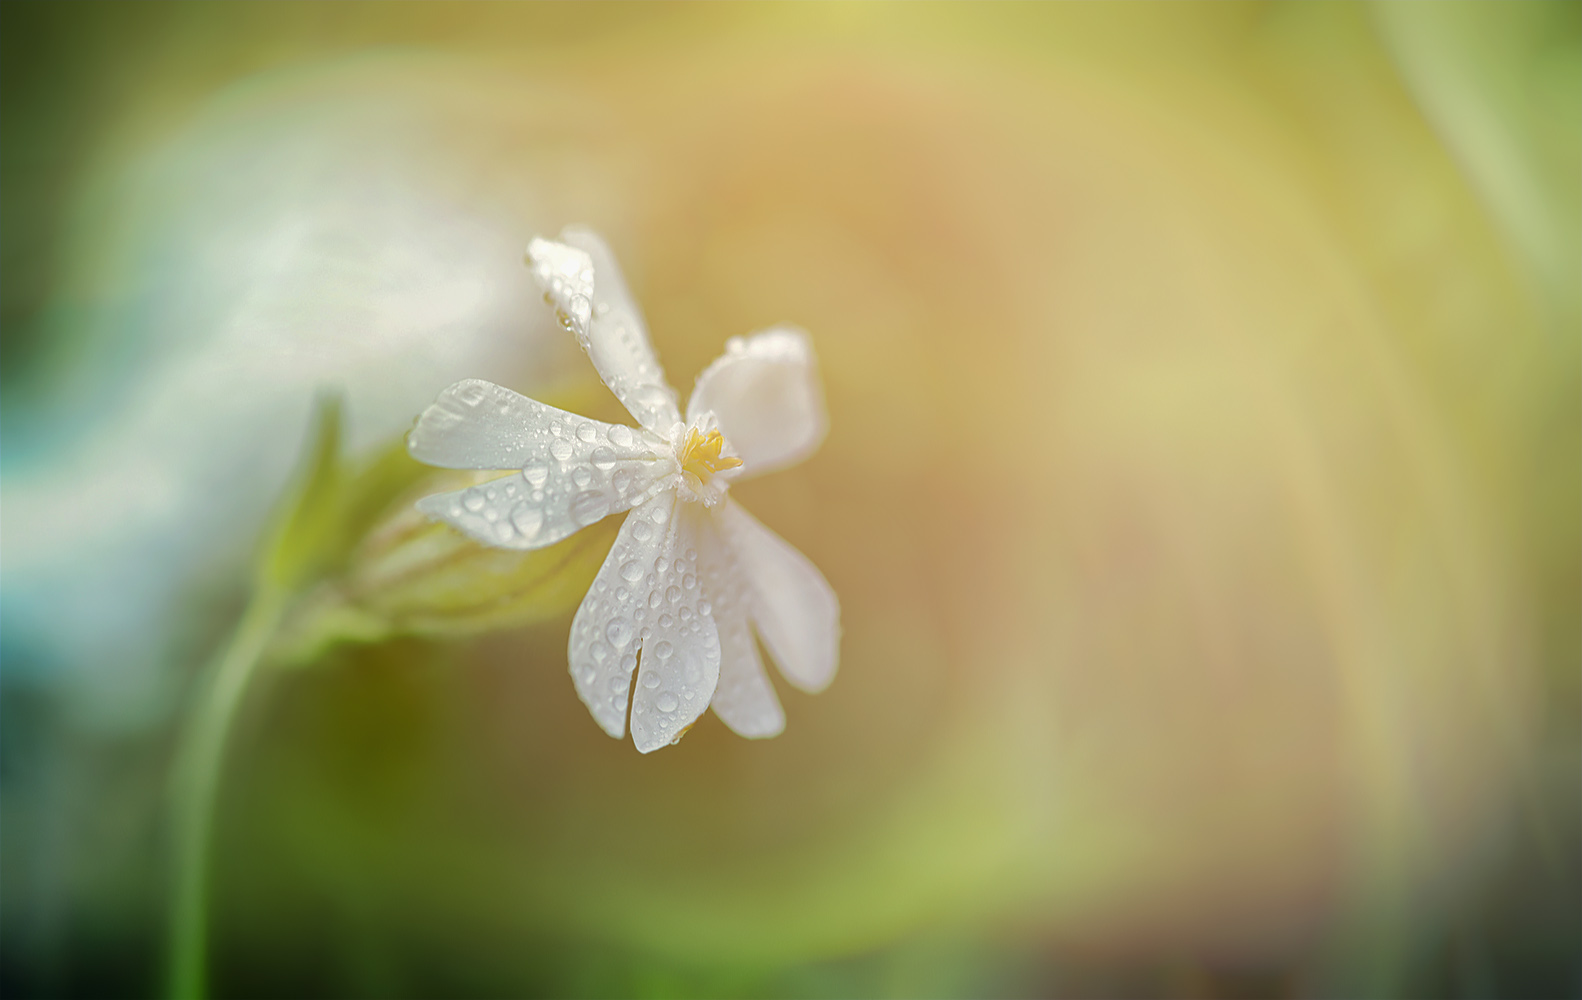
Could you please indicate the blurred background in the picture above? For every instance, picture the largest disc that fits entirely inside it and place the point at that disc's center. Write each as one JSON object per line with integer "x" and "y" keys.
{"x": 1203, "y": 492}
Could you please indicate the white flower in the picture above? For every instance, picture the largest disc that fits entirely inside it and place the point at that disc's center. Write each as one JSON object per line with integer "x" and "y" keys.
{"x": 691, "y": 575}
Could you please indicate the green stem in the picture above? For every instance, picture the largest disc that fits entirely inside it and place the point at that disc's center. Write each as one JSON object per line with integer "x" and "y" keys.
{"x": 196, "y": 782}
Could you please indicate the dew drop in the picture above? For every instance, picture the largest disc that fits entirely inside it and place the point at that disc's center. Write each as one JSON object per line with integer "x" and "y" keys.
{"x": 653, "y": 599}
{"x": 650, "y": 680}
{"x": 667, "y": 702}
{"x": 672, "y": 594}
{"x": 473, "y": 499}
{"x": 587, "y": 432}
{"x": 528, "y": 519}
{"x": 621, "y": 480}
{"x": 599, "y": 651}
{"x": 561, "y": 449}
{"x": 665, "y": 621}
{"x": 632, "y": 570}
{"x": 705, "y": 608}
{"x": 621, "y": 436}
{"x": 663, "y": 649}
{"x": 640, "y": 530}
{"x": 689, "y": 581}
{"x": 603, "y": 457}
{"x": 619, "y": 632}
{"x": 649, "y": 397}
{"x": 581, "y": 476}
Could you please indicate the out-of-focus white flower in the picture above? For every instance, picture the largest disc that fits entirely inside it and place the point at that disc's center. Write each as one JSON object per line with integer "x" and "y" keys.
{"x": 690, "y": 569}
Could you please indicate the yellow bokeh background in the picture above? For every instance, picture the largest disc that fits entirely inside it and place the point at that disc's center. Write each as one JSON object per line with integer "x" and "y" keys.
{"x": 1201, "y": 494}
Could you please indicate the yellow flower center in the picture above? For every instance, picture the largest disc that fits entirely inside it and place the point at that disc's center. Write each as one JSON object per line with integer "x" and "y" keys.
{"x": 701, "y": 457}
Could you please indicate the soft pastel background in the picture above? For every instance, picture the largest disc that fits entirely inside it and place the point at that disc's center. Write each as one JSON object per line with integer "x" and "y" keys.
{"x": 1204, "y": 493}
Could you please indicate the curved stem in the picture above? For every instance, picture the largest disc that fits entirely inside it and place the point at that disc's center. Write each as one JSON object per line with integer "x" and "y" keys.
{"x": 196, "y": 782}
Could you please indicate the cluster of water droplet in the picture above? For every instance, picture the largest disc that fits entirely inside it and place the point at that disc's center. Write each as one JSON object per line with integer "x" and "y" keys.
{"x": 647, "y": 597}
{"x": 580, "y": 470}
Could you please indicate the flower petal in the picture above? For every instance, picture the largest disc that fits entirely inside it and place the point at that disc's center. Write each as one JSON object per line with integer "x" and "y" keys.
{"x": 793, "y": 607}
{"x": 681, "y": 647}
{"x": 574, "y": 471}
{"x": 765, "y": 392}
{"x": 606, "y": 632}
{"x": 745, "y": 700}
{"x": 581, "y": 279}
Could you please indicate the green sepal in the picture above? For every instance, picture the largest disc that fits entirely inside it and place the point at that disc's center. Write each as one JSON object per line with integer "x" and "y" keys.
{"x": 367, "y": 567}
{"x": 419, "y": 578}
{"x": 305, "y": 539}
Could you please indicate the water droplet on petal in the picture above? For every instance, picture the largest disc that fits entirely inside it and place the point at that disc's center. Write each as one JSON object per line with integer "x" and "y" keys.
{"x": 621, "y": 436}
{"x": 561, "y": 449}
{"x": 587, "y": 432}
{"x": 672, "y": 594}
{"x": 619, "y": 632}
{"x": 473, "y": 499}
{"x": 667, "y": 702}
{"x": 632, "y": 570}
{"x": 581, "y": 476}
{"x": 603, "y": 457}
{"x": 663, "y": 649}
{"x": 527, "y": 518}
{"x": 640, "y": 530}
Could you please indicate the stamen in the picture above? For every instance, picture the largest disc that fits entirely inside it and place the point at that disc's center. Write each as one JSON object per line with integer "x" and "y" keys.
{"x": 700, "y": 455}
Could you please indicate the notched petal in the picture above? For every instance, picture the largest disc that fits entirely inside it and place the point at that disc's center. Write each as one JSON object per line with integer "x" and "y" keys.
{"x": 766, "y": 395}
{"x": 606, "y": 632}
{"x": 680, "y": 645}
{"x": 572, "y": 471}
{"x": 581, "y": 279}
{"x": 793, "y": 606}
{"x": 744, "y": 700}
